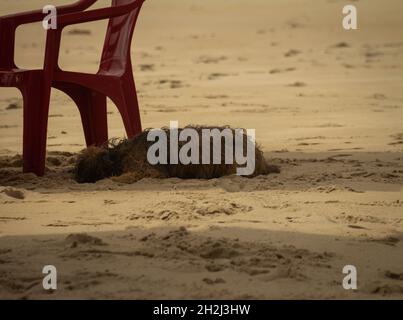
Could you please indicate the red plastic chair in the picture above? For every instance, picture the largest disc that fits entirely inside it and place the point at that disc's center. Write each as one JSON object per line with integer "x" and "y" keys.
{"x": 89, "y": 91}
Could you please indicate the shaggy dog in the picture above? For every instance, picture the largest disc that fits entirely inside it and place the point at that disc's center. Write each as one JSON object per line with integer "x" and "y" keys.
{"x": 126, "y": 161}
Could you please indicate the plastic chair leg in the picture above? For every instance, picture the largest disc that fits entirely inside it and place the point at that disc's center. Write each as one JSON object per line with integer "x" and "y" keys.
{"x": 93, "y": 111}
{"x": 94, "y": 119}
{"x": 128, "y": 107}
{"x": 36, "y": 109}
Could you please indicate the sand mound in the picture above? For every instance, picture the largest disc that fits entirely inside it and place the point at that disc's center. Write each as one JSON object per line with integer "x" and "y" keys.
{"x": 83, "y": 238}
{"x": 14, "y": 193}
{"x": 126, "y": 161}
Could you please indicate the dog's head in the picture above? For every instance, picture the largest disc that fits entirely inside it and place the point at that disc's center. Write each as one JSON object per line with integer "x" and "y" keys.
{"x": 94, "y": 164}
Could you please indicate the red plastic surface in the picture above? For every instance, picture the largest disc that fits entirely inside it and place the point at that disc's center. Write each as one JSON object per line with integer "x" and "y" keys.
{"x": 89, "y": 91}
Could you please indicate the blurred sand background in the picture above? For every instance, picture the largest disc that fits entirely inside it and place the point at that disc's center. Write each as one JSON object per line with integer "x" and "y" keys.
{"x": 327, "y": 106}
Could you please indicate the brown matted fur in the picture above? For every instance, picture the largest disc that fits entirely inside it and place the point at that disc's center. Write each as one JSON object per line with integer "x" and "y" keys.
{"x": 126, "y": 161}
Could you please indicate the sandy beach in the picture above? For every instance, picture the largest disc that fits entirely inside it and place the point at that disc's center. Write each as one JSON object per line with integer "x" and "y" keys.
{"x": 327, "y": 106}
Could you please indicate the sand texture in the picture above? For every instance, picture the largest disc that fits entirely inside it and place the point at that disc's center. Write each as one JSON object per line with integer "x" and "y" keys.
{"x": 327, "y": 106}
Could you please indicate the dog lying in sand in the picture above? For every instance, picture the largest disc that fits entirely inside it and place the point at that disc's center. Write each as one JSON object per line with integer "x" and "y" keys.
{"x": 126, "y": 161}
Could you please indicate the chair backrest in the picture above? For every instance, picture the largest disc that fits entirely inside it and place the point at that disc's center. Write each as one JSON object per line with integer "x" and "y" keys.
{"x": 116, "y": 52}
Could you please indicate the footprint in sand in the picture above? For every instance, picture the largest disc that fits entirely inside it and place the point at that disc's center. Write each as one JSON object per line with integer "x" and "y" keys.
{"x": 76, "y": 239}
{"x": 394, "y": 275}
{"x": 383, "y": 289}
{"x": 291, "y": 53}
{"x": 297, "y": 84}
{"x": 14, "y": 193}
{"x": 6, "y": 219}
{"x": 172, "y": 84}
{"x": 378, "y": 96}
{"x": 340, "y": 45}
{"x": 146, "y": 67}
{"x": 213, "y": 281}
{"x": 276, "y": 70}
{"x": 74, "y": 32}
{"x": 389, "y": 240}
{"x": 14, "y": 104}
{"x": 211, "y": 59}
{"x": 217, "y": 75}
{"x": 398, "y": 139}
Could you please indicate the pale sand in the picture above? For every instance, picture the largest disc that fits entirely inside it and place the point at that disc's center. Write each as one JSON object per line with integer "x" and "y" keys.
{"x": 338, "y": 140}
